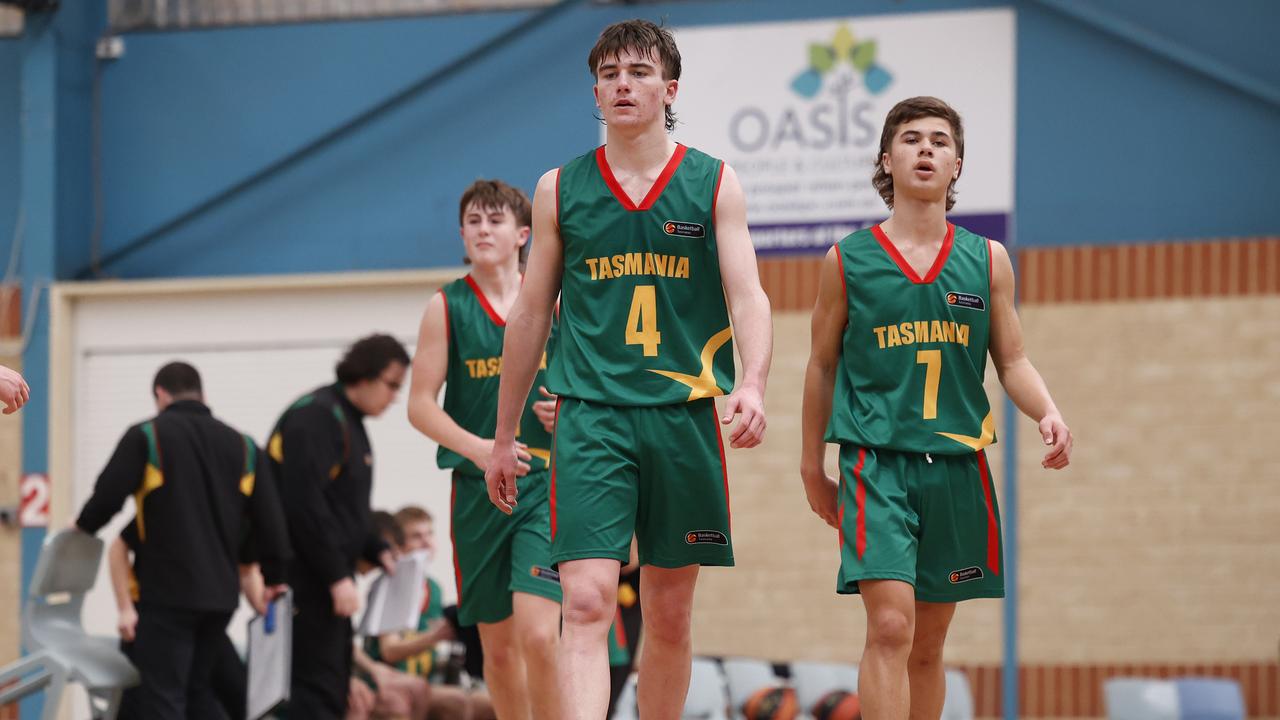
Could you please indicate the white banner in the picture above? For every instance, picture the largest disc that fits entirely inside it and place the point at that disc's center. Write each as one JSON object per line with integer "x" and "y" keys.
{"x": 797, "y": 109}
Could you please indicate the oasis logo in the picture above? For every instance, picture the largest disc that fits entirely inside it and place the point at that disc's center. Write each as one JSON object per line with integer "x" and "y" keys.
{"x": 841, "y": 120}
{"x": 684, "y": 229}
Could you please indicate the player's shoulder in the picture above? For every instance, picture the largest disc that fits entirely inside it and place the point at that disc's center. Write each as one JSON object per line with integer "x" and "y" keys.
{"x": 964, "y": 236}
{"x": 855, "y": 240}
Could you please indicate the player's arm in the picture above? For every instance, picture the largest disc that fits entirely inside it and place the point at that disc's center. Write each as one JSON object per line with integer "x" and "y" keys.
{"x": 1018, "y": 376}
{"x": 525, "y": 339}
{"x": 118, "y": 567}
{"x": 830, "y": 314}
{"x": 394, "y": 647}
{"x": 14, "y": 391}
{"x": 430, "y": 365}
{"x": 119, "y": 479}
{"x": 748, "y": 308}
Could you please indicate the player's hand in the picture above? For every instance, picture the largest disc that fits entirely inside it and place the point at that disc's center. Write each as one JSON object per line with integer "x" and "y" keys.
{"x": 1057, "y": 435}
{"x": 500, "y": 476}
{"x": 14, "y": 391}
{"x": 747, "y": 402}
{"x": 823, "y": 494}
{"x": 127, "y": 623}
{"x": 254, "y": 588}
{"x": 271, "y": 593}
{"x": 346, "y": 600}
{"x": 360, "y": 699}
{"x": 546, "y": 409}
{"x": 387, "y": 559}
{"x": 483, "y": 451}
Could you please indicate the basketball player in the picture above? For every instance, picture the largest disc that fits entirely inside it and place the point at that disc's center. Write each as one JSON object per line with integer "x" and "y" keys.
{"x": 647, "y": 240}
{"x": 505, "y": 582}
{"x": 907, "y": 312}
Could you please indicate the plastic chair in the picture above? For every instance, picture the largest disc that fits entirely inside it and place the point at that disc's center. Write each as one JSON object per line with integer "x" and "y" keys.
{"x": 744, "y": 676}
{"x": 706, "y": 699}
{"x": 812, "y": 680}
{"x": 626, "y": 709}
{"x": 1210, "y": 699}
{"x": 958, "y": 704}
{"x": 1141, "y": 699}
{"x": 52, "y": 632}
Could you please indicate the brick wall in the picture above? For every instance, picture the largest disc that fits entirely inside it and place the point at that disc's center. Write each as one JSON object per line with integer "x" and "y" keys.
{"x": 1156, "y": 550}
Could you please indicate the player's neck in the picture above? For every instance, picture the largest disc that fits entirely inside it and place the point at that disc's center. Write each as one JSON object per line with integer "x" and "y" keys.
{"x": 640, "y": 151}
{"x": 916, "y": 222}
{"x": 499, "y": 283}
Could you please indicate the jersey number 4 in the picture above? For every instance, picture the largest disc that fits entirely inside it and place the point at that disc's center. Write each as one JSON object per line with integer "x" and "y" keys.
{"x": 642, "y": 320}
{"x": 932, "y": 361}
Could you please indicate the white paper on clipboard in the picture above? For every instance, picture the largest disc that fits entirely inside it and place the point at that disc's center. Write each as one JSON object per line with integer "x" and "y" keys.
{"x": 395, "y": 601}
{"x": 270, "y": 657}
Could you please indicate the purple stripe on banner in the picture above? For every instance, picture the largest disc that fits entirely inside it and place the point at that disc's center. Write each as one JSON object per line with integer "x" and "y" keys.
{"x": 816, "y": 237}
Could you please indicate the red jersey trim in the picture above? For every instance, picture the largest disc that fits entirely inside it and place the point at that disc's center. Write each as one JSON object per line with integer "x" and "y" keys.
{"x": 445, "y": 299}
{"x": 860, "y": 494}
{"x": 654, "y": 193}
{"x": 724, "y": 467}
{"x": 558, "y": 172}
{"x": 715, "y": 193}
{"x": 484, "y": 302}
{"x": 993, "y": 527}
{"x": 905, "y": 266}
{"x": 457, "y": 567}
{"x": 990, "y": 268}
{"x": 555, "y": 425}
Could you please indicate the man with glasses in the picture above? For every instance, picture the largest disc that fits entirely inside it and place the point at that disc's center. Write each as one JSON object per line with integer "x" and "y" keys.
{"x": 322, "y": 457}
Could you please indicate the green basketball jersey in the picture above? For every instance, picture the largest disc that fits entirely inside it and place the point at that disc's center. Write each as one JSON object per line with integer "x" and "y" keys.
{"x": 915, "y": 349}
{"x": 475, "y": 370}
{"x": 643, "y": 319}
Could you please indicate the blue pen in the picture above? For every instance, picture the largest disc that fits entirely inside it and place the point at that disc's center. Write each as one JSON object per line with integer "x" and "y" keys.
{"x": 269, "y": 621}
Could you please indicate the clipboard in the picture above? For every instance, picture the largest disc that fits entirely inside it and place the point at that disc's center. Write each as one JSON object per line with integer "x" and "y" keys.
{"x": 270, "y": 657}
{"x": 395, "y": 601}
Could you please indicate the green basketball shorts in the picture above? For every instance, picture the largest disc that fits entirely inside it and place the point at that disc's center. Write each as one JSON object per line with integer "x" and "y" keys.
{"x": 657, "y": 472}
{"x": 495, "y": 554}
{"x": 931, "y": 521}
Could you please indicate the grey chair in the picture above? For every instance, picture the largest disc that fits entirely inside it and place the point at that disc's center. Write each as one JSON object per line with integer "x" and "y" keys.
{"x": 61, "y": 651}
{"x": 744, "y": 676}
{"x": 958, "y": 704}
{"x": 706, "y": 699}
{"x": 813, "y": 680}
{"x": 1141, "y": 699}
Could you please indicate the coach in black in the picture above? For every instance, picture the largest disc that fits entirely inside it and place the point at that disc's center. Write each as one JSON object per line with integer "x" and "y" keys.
{"x": 198, "y": 484}
{"x": 324, "y": 463}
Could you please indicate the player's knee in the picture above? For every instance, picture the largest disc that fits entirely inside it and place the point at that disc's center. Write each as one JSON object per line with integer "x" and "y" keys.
{"x": 890, "y": 630}
{"x": 925, "y": 655}
{"x": 668, "y": 623}
{"x": 499, "y": 658}
{"x": 587, "y": 606}
{"x": 539, "y": 643}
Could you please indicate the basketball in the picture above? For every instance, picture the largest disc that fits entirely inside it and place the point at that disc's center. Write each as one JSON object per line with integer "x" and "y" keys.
{"x": 775, "y": 703}
{"x": 837, "y": 705}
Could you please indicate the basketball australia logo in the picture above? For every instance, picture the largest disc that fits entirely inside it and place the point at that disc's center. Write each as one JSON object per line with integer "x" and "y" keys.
{"x": 684, "y": 229}
{"x": 966, "y": 300}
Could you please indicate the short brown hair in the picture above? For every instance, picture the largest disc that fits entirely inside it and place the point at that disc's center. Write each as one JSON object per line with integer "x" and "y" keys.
{"x": 497, "y": 195}
{"x": 644, "y": 37}
{"x": 904, "y": 112}
{"x": 412, "y": 514}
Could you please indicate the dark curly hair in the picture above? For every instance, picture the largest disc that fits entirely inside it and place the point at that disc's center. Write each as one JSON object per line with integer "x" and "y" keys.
{"x": 368, "y": 357}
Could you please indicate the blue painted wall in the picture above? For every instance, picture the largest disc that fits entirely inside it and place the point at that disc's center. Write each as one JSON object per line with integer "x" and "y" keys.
{"x": 9, "y": 72}
{"x": 1115, "y": 144}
